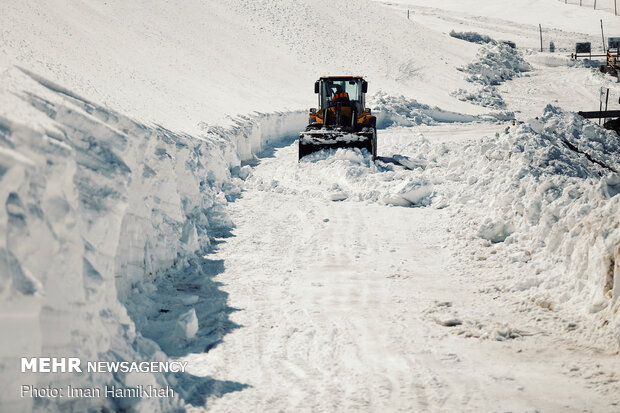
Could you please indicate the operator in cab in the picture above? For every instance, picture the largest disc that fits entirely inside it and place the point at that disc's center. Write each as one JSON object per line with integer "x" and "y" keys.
{"x": 340, "y": 95}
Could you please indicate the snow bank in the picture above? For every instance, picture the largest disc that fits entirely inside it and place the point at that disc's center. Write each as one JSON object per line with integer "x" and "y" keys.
{"x": 253, "y": 134}
{"x": 543, "y": 194}
{"x": 397, "y": 110}
{"x": 555, "y": 182}
{"x": 474, "y": 37}
{"x": 99, "y": 208}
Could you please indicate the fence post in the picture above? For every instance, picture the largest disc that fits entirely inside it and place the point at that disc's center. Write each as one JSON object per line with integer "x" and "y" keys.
{"x": 540, "y": 27}
{"x": 603, "y": 36}
{"x": 606, "y": 100}
{"x": 600, "y": 103}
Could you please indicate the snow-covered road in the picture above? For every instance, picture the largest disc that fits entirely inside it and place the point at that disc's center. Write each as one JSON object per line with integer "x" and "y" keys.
{"x": 347, "y": 306}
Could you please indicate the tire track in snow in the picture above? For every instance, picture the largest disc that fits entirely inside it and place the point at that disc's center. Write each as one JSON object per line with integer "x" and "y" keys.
{"x": 340, "y": 303}
{"x": 341, "y": 348}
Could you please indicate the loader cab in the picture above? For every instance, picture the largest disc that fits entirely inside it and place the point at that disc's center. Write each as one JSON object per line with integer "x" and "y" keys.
{"x": 355, "y": 87}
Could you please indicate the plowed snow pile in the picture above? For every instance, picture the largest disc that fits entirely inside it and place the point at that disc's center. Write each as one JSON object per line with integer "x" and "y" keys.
{"x": 402, "y": 111}
{"x": 547, "y": 190}
{"x": 543, "y": 195}
{"x": 496, "y": 63}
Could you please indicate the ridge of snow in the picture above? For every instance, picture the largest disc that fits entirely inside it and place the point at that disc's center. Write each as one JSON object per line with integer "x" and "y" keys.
{"x": 99, "y": 208}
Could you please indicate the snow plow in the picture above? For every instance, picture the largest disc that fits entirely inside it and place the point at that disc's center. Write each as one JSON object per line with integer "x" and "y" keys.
{"x": 341, "y": 119}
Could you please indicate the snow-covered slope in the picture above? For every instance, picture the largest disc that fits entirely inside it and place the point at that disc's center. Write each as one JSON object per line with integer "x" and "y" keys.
{"x": 518, "y": 20}
{"x": 183, "y": 62}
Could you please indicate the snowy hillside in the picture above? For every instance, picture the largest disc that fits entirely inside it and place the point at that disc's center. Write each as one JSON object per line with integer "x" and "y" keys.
{"x": 155, "y": 208}
{"x": 227, "y": 60}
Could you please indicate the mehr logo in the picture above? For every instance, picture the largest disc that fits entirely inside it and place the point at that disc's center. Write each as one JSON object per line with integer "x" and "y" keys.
{"x": 51, "y": 364}
{"x": 73, "y": 364}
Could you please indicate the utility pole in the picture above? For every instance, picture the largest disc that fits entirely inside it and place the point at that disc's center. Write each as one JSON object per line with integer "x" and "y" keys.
{"x": 407, "y": 14}
{"x": 615, "y": 9}
{"x": 540, "y": 27}
{"x": 594, "y": 4}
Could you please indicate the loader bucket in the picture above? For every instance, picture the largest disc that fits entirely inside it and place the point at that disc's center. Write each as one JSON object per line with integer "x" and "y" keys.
{"x": 317, "y": 140}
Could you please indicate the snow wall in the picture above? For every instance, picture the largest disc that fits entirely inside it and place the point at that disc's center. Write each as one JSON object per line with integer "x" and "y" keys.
{"x": 96, "y": 207}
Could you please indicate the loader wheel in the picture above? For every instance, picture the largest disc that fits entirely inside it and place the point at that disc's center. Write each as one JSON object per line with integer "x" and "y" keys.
{"x": 374, "y": 147}
{"x": 373, "y": 123}
{"x": 304, "y": 150}
{"x": 374, "y": 143}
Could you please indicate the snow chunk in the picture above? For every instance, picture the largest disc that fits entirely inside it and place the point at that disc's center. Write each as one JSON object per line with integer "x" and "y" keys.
{"x": 472, "y": 37}
{"x": 411, "y": 163}
{"x": 338, "y": 196}
{"x": 189, "y": 299}
{"x": 417, "y": 194}
{"x": 495, "y": 231}
{"x": 187, "y": 325}
{"x": 449, "y": 322}
{"x": 242, "y": 172}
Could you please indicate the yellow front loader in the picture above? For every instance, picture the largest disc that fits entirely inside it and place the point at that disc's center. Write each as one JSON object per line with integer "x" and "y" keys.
{"x": 342, "y": 119}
